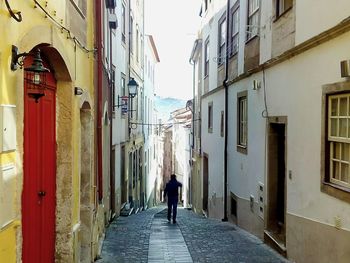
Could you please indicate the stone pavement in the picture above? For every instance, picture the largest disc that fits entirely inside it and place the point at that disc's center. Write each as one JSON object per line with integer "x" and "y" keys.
{"x": 148, "y": 237}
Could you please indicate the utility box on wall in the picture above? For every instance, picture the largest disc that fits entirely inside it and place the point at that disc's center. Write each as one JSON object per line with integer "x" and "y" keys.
{"x": 7, "y": 128}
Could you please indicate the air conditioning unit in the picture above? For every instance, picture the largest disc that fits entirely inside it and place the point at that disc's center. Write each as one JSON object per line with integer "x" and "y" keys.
{"x": 111, "y": 4}
{"x": 113, "y": 21}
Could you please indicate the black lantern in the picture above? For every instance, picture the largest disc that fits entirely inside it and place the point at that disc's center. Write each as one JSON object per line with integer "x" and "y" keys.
{"x": 132, "y": 86}
{"x": 35, "y": 74}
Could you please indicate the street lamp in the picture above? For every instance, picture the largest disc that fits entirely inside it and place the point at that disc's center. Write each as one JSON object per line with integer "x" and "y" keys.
{"x": 35, "y": 74}
{"x": 132, "y": 87}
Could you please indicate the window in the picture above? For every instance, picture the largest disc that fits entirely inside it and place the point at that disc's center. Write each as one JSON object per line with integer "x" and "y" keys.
{"x": 206, "y": 58}
{"x": 282, "y": 6}
{"x": 222, "y": 40}
{"x": 210, "y": 117}
{"x": 222, "y": 124}
{"x": 137, "y": 44}
{"x": 131, "y": 34}
{"x": 234, "y": 31}
{"x": 113, "y": 88}
{"x": 123, "y": 23}
{"x": 253, "y": 18}
{"x": 242, "y": 120}
{"x": 339, "y": 139}
{"x": 122, "y": 85}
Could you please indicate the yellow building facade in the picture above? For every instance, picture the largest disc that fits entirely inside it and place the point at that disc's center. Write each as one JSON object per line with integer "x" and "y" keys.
{"x": 64, "y": 33}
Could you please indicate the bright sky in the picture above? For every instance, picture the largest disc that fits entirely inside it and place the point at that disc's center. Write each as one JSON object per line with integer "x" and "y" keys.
{"x": 174, "y": 25}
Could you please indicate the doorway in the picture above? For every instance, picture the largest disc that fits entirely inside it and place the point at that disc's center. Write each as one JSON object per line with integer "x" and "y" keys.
{"x": 39, "y": 179}
{"x": 85, "y": 183}
{"x": 205, "y": 183}
{"x": 276, "y": 182}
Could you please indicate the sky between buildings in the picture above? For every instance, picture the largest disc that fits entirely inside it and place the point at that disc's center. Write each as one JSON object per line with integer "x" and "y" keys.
{"x": 174, "y": 25}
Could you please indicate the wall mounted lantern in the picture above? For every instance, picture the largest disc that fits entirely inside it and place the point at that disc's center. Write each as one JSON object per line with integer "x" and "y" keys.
{"x": 35, "y": 74}
{"x": 132, "y": 86}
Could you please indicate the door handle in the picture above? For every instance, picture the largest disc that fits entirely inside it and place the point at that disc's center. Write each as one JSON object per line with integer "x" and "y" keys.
{"x": 41, "y": 193}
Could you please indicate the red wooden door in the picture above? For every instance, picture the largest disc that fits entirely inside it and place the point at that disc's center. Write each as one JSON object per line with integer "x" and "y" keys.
{"x": 39, "y": 183}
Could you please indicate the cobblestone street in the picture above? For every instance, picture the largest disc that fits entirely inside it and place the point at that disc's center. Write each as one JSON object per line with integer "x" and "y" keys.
{"x": 148, "y": 237}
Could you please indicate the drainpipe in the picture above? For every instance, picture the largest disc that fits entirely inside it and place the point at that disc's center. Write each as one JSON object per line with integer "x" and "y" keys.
{"x": 226, "y": 107}
{"x": 193, "y": 116}
{"x": 99, "y": 96}
{"x": 110, "y": 101}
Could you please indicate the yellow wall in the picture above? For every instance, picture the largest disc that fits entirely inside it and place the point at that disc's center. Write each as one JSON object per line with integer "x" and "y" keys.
{"x": 34, "y": 29}
{"x": 8, "y": 243}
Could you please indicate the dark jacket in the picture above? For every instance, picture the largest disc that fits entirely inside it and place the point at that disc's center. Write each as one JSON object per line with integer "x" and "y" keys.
{"x": 171, "y": 188}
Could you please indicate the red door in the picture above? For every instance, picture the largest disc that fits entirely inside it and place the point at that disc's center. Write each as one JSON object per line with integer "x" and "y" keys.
{"x": 39, "y": 183}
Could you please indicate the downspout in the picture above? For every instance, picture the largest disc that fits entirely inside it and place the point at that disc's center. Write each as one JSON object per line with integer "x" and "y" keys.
{"x": 110, "y": 100}
{"x": 226, "y": 107}
{"x": 193, "y": 130}
{"x": 99, "y": 97}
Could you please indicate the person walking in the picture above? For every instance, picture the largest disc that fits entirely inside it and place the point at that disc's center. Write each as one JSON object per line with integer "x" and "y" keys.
{"x": 171, "y": 189}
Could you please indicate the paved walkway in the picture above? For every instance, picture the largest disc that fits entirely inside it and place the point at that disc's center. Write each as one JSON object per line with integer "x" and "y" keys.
{"x": 148, "y": 237}
{"x": 167, "y": 243}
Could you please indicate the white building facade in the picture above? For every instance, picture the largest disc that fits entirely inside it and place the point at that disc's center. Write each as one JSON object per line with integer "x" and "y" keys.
{"x": 287, "y": 148}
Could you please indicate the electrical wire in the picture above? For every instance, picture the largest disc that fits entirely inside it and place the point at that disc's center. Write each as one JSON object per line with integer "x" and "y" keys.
{"x": 63, "y": 28}
{"x": 160, "y": 124}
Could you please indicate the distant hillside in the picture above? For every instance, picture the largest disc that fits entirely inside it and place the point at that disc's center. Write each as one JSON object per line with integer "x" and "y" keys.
{"x": 165, "y": 106}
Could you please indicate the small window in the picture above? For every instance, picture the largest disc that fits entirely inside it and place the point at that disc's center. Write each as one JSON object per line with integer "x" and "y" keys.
{"x": 122, "y": 85}
{"x": 113, "y": 88}
{"x": 242, "y": 121}
{"x": 339, "y": 139}
{"x": 137, "y": 44}
{"x": 222, "y": 124}
{"x": 123, "y": 24}
{"x": 222, "y": 40}
{"x": 206, "y": 58}
{"x": 234, "y": 31}
{"x": 282, "y": 6}
{"x": 131, "y": 43}
{"x": 253, "y": 19}
{"x": 210, "y": 117}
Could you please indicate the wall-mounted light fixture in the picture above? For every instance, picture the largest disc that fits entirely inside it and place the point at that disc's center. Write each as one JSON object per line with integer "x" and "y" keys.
{"x": 132, "y": 86}
{"x": 35, "y": 74}
{"x": 78, "y": 91}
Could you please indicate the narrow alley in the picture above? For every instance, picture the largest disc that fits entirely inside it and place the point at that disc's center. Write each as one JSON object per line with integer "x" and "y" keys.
{"x": 149, "y": 237}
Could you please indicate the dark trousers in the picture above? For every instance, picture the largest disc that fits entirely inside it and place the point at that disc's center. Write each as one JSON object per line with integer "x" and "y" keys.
{"x": 172, "y": 205}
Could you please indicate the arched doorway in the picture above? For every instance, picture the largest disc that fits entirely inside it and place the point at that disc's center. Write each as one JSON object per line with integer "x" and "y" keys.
{"x": 39, "y": 180}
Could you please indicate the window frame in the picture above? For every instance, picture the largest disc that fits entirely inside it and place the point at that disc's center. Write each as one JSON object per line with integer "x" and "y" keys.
{"x": 222, "y": 34}
{"x": 253, "y": 29}
{"x": 242, "y": 122}
{"x": 131, "y": 42}
{"x": 206, "y": 57}
{"x": 113, "y": 88}
{"x": 327, "y": 185}
{"x": 281, "y": 11}
{"x": 234, "y": 35}
{"x": 123, "y": 27}
{"x": 335, "y": 156}
{"x": 210, "y": 117}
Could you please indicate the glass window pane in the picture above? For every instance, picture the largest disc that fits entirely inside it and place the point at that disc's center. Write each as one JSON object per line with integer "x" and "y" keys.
{"x": 343, "y": 107}
{"x": 343, "y": 123}
{"x": 336, "y": 150}
{"x": 344, "y": 172}
{"x": 334, "y": 107}
{"x": 345, "y": 152}
{"x": 335, "y": 174}
{"x": 333, "y": 127}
